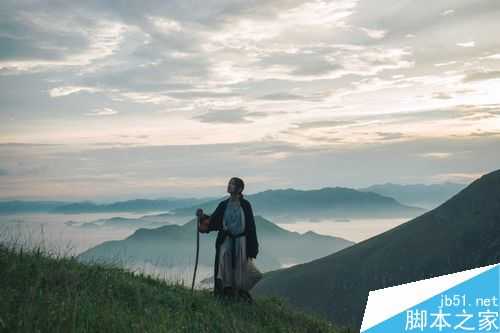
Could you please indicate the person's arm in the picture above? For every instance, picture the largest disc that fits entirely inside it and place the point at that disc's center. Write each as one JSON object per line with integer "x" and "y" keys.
{"x": 211, "y": 222}
{"x": 252, "y": 235}
{"x": 215, "y": 220}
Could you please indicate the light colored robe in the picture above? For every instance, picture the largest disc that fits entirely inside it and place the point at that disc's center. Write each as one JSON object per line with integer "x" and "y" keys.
{"x": 234, "y": 222}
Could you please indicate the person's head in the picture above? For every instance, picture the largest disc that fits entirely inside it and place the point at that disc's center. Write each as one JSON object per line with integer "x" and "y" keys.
{"x": 235, "y": 185}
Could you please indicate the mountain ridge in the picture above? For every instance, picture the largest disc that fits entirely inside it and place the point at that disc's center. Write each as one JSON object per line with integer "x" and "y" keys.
{"x": 460, "y": 234}
{"x": 286, "y": 205}
{"x": 175, "y": 243}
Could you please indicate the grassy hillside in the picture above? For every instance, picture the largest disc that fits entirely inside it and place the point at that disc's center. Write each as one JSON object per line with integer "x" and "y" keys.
{"x": 46, "y": 293}
{"x": 461, "y": 234}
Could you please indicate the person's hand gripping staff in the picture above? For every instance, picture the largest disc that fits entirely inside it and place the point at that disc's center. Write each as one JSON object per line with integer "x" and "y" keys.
{"x": 203, "y": 221}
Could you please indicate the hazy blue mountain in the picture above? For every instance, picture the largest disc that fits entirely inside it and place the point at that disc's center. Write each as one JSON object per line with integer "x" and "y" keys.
{"x": 136, "y": 205}
{"x": 421, "y": 195}
{"x": 330, "y": 202}
{"x": 461, "y": 234}
{"x": 174, "y": 245}
{"x": 122, "y": 222}
{"x": 20, "y": 206}
{"x": 282, "y": 206}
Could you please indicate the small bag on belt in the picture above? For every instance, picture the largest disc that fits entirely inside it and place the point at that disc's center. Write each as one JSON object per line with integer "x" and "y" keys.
{"x": 252, "y": 275}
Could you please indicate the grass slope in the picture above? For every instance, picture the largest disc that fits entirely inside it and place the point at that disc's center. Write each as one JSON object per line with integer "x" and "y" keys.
{"x": 42, "y": 292}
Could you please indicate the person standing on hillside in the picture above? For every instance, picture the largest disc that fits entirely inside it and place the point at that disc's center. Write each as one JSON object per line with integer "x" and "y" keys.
{"x": 236, "y": 241}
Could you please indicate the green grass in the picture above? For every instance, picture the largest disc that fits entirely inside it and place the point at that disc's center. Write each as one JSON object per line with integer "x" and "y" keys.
{"x": 43, "y": 292}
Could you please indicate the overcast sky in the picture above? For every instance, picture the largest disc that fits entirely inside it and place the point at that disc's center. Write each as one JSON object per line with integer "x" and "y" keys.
{"x": 104, "y": 100}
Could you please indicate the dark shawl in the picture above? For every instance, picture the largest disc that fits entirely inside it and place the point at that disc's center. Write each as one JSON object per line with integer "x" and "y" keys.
{"x": 215, "y": 223}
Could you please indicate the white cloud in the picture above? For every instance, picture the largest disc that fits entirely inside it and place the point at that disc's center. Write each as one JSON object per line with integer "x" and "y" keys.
{"x": 493, "y": 56}
{"x": 448, "y": 12}
{"x": 165, "y": 25}
{"x": 103, "y": 40}
{"x": 145, "y": 97}
{"x": 437, "y": 155}
{"x": 467, "y": 44}
{"x": 102, "y": 112}
{"x": 448, "y": 63}
{"x": 319, "y": 12}
{"x": 375, "y": 34}
{"x": 68, "y": 90}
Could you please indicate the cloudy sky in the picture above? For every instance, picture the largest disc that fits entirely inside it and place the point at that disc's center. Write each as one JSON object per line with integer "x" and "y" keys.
{"x": 110, "y": 100}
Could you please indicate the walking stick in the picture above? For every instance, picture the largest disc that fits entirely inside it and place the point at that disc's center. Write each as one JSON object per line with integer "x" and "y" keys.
{"x": 198, "y": 214}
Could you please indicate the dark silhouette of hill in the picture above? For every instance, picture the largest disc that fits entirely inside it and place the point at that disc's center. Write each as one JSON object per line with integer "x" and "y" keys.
{"x": 330, "y": 202}
{"x": 461, "y": 234}
{"x": 175, "y": 245}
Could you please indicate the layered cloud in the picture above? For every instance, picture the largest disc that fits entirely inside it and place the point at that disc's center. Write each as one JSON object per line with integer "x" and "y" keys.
{"x": 309, "y": 74}
{"x": 119, "y": 171}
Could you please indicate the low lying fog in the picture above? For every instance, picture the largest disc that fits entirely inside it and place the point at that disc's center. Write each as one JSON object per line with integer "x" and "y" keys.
{"x": 51, "y": 233}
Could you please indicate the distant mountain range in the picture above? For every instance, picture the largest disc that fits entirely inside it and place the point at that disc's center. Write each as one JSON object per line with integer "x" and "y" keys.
{"x": 421, "y": 195}
{"x": 174, "y": 245}
{"x": 20, "y": 206}
{"x": 135, "y": 206}
{"x": 282, "y": 206}
{"x": 147, "y": 221}
{"x": 461, "y": 234}
{"x": 289, "y": 205}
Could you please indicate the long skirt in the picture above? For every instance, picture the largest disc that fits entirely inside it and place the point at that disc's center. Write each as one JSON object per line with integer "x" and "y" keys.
{"x": 225, "y": 272}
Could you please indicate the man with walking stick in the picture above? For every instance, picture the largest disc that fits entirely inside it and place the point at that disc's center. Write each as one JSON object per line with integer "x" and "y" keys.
{"x": 236, "y": 245}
